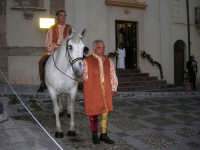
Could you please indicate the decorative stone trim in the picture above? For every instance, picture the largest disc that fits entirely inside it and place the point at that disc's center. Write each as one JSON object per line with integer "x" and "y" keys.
{"x": 22, "y": 51}
{"x": 28, "y": 11}
{"x": 29, "y": 8}
{"x": 126, "y": 3}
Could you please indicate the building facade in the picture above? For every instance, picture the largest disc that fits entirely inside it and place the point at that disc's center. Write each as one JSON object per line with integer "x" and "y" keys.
{"x": 158, "y": 27}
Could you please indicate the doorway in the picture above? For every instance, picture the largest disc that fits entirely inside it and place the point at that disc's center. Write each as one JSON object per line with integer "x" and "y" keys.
{"x": 179, "y": 48}
{"x": 3, "y": 41}
{"x": 126, "y": 37}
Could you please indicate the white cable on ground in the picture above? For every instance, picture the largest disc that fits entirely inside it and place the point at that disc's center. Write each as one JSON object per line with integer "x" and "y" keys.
{"x": 40, "y": 125}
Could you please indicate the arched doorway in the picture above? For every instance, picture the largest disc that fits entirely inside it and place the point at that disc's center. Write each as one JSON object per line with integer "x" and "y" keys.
{"x": 179, "y": 48}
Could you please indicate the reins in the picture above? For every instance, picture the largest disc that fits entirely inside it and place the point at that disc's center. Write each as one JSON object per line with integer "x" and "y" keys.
{"x": 71, "y": 62}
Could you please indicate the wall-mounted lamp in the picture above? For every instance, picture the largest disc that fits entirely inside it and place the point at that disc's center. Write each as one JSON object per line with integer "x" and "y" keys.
{"x": 46, "y": 23}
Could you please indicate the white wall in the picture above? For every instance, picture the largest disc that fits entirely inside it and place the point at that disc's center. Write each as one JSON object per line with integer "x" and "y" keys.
{"x": 166, "y": 45}
{"x": 23, "y": 70}
{"x": 99, "y": 19}
{"x": 179, "y": 29}
{"x": 151, "y": 37}
{"x": 159, "y": 26}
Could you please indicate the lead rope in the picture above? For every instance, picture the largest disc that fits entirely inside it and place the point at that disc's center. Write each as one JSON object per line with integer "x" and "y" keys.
{"x": 30, "y": 113}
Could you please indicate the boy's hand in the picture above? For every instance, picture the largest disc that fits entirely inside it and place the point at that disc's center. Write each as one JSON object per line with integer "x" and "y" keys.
{"x": 113, "y": 93}
{"x": 80, "y": 80}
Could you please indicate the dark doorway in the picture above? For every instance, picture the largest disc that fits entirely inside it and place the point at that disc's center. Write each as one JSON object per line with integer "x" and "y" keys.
{"x": 179, "y": 48}
{"x": 126, "y": 37}
{"x": 3, "y": 41}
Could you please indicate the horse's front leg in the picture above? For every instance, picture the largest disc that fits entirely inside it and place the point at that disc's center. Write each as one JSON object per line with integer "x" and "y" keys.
{"x": 68, "y": 106}
{"x": 58, "y": 133}
{"x": 71, "y": 103}
{"x": 61, "y": 100}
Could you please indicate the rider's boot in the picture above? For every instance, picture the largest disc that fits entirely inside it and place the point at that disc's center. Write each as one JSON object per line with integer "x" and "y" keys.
{"x": 42, "y": 87}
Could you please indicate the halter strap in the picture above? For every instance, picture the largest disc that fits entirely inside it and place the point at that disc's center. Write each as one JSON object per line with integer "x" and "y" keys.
{"x": 72, "y": 61}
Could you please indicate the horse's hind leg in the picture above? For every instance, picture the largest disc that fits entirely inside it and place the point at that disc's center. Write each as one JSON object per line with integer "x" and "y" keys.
{"x": 59, "y": 133}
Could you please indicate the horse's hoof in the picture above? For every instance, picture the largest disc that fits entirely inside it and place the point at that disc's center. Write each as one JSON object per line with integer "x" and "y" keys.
{"x": 68, "y": 115}
{"x": 61, "y": 114}
{"x": 59, "y": 135}
{"x": 71, "y": 133}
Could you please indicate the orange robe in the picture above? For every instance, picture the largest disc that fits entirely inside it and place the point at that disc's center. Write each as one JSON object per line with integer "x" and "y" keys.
{"x": 98, "y": 86}
{"x": 55, "y": 37}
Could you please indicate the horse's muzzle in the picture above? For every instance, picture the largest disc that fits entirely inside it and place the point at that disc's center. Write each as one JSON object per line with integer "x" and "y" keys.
{"x": 78, "y": 74}
{"x": 78, "y": 69}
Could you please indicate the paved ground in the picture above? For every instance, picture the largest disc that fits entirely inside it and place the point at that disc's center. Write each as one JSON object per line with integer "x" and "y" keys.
{"x": 154, "y": 123}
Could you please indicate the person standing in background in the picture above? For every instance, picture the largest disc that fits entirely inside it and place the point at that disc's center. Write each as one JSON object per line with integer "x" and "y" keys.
{"x": 192, "y": 71}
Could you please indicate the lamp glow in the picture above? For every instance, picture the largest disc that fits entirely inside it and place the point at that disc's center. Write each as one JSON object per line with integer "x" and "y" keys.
{"x": 46, "y": 23}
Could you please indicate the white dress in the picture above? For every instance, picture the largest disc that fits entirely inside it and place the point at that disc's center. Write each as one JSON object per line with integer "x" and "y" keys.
{"x": 121, "y": 58}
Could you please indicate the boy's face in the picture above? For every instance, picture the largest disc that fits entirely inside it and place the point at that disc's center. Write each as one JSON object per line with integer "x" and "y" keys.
{"x": 61, "y": 18}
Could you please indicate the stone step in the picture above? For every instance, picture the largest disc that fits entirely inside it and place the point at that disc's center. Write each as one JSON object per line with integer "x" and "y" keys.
{"x": 170, "y": 89}
{"x": 138, "y": 88}
{"x": 136, "y": 78}
{"x": 136, "y": 74}
{"x": 142, "y": 83}
{"x": 127, "y": 71}
{"x": 150, "y": 89}
{"x": 142, "y": 88}
{"x": 155, "y": 85}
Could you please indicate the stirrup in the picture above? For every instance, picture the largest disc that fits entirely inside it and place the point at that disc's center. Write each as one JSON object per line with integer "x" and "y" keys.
{"x": 42, "y": 87}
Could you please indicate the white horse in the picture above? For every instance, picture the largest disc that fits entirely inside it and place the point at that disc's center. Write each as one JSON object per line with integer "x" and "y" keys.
{"x": 62, "y": 69}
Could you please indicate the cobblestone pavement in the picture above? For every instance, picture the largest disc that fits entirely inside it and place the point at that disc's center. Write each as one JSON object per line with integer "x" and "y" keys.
{"x": 155, "y": 123}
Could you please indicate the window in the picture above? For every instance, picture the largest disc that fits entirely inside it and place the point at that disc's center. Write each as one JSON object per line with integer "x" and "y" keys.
{"x": 28, "y": 3}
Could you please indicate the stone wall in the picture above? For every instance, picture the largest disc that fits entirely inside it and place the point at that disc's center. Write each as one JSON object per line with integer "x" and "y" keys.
{"x": 20, "y": 65}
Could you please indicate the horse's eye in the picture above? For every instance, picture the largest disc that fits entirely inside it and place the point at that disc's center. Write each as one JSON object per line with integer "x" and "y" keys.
{"x": 69, "y": 47}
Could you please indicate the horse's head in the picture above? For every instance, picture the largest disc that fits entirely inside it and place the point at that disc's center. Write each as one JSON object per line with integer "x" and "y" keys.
{"x": 74, "y": 50}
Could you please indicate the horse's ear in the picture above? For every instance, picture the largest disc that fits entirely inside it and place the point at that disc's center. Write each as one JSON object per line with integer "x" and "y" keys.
{"x": 83, "y": 33}
{"x": 70, "y": 31}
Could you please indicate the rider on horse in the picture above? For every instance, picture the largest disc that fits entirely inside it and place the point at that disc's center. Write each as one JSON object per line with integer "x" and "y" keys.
{"x": 55, "y": 36}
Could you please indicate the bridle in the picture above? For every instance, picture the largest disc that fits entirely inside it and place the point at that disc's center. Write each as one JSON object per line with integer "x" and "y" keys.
{"x": 71, "y": 61}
